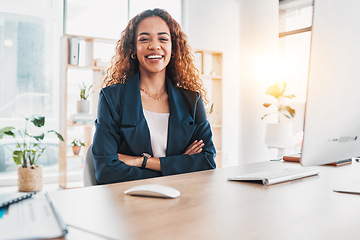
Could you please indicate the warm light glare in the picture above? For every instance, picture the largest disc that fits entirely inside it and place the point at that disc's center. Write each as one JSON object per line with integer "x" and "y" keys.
{"x": 266, "y": 69}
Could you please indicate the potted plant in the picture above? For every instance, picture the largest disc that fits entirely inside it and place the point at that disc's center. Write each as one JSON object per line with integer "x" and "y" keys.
{"x": 28, "y": 150}
{"x": 76, "y": 145}
{"x": 279, "y": 134}
{"x": 83, "y": 105}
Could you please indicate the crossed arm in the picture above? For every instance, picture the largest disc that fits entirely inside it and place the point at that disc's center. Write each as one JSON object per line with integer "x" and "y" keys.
{"x": 154, "y": 163}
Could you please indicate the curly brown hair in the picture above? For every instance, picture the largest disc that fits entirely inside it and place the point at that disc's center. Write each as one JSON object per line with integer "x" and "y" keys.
{"x": 181, "y": 68}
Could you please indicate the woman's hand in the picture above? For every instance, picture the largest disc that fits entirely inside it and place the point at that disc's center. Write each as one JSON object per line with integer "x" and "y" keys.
{"x": 195, "y": 147}
{"x": 130, "y": 160}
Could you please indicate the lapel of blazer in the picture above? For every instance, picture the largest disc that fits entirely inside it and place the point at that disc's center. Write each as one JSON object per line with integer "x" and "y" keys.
{"x": 134, "y": 126}
{"x": 133, "y": 123}
{"x": 181, "y": 123}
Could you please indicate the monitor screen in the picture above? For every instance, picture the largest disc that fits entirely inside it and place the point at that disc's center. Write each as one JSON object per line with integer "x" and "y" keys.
{"x": 332, "y": 113}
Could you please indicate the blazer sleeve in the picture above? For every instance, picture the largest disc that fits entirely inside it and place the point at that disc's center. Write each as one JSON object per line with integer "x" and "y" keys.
{"x": 201, "y": 161}
{"x": 106, "y": 142}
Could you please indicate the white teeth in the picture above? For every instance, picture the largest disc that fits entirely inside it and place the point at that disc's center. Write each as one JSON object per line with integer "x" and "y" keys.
{"x": 154, "y": 56}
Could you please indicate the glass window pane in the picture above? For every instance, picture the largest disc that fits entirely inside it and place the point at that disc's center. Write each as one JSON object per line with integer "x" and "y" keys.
{"x": 295, "y": 18}
{"x": 26, "y": 65}
{"x": 294, "y": 56}
{"x": 29, "y": 73}
{"x": 105, "y": 18}
{"x": 173, "y": 7}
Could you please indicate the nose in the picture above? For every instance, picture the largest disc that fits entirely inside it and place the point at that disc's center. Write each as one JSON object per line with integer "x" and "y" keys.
{"x": 154, "y": 46}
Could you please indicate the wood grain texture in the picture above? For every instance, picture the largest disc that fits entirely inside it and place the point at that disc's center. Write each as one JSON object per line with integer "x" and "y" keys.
{"x": 211, "y": 207}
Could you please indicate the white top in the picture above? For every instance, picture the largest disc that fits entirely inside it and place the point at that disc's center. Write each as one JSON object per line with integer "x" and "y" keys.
{"x": 158, "y": 125}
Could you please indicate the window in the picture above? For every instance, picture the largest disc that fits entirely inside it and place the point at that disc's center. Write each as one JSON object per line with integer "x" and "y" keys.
{"x": 173, "y": 7}
{"x": 295, "y": 22}
{"x": 105, "y": 18}
{"x": 295, "y": 35}
{"x": 29, "y": 72}
{"x": 88, "y": 18}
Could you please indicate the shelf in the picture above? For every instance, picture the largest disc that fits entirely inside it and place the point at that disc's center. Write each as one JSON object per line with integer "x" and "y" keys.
{"x": 72, "y": 124}
{"x": 83, "y": 60}
{"x": 209, "y": 64}
{"x": 75, "y": 156}
{"x": 78, "y": 66}
{"x": 94, "y": 68}
{"x": 215, "y": 77}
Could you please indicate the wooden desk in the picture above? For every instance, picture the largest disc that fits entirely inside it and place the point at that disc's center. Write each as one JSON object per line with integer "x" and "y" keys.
{"x": 210, "y": 207}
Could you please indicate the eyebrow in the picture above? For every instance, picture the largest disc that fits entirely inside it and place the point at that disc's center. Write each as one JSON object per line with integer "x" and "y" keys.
{"x": 148, "y": 34}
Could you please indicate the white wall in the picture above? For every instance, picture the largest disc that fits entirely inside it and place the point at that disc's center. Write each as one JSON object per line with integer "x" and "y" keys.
{"x": 258, "y": 52}
{"x": 246, "y": 31}
{"x": 214, "y": 25}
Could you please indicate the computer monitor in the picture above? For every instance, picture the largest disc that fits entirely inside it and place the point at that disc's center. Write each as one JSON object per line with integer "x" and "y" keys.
{"x": 332, "y": 112}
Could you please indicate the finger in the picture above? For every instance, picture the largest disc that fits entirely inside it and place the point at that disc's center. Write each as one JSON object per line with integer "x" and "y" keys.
{"x": 197, "y": 144}
{"x": 194, "y": 147}
{"x": 191, "y": 147}
{"x": 200, "y": 144}
{"x": 198, "y": 149}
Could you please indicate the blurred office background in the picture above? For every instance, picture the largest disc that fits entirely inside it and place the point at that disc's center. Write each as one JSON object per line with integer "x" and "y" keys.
{"x": 263, "y": 42}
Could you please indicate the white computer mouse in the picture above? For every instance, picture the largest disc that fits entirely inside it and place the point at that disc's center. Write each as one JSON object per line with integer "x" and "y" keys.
{"x": 153, "y": 190}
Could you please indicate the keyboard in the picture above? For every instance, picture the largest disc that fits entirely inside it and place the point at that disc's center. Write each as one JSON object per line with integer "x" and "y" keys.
{"x": 270, "y": 177}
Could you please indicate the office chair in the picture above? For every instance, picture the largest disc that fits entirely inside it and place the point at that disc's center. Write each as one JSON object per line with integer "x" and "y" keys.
{"x": 89, "y": 169}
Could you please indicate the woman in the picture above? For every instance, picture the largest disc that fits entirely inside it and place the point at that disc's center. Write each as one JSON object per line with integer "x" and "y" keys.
{"x": 151, "y": 119}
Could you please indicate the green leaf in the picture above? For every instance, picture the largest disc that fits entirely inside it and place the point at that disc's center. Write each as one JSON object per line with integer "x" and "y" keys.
{"x": 39, "y": 137}
{"x": 38, "y": 121}
{"x": 276, "y": 90}
{"x": 17, "y": 156}
{"x": 60, "y": 137}
{"x": 6, "y": 131}
{"x": 85, "y": 92}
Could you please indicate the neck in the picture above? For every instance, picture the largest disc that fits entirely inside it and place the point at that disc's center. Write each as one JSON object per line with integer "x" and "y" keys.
{"x": 154, "y": 83}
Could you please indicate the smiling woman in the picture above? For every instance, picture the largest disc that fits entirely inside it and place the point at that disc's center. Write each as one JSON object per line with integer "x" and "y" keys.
{"x": 151, "y": 118}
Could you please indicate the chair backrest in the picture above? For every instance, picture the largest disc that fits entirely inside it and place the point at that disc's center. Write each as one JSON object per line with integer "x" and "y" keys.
{"x": 89, "y": 169}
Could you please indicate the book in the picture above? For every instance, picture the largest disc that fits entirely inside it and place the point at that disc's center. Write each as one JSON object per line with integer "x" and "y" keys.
{"x": 82, "y": 118}
{"x": 36, "y": 217}
{"x": 296, "y": 158}
{"x": 9, "y": 198}
{"x": 292, "y": 158}
{"x": 74, "y": 47}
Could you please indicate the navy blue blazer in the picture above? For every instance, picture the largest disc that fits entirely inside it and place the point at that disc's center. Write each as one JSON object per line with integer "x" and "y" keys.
{"x": 122, "y": 128}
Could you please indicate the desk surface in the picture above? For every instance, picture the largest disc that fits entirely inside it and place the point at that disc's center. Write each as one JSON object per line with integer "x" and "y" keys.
{"x": 210, "y": 207}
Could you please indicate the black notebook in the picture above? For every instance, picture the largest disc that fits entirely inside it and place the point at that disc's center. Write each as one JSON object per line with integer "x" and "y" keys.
{"x": 9, "y": 198}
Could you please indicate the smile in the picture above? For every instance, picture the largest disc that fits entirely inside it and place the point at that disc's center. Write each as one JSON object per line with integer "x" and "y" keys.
{"x": 154, "y": 56}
